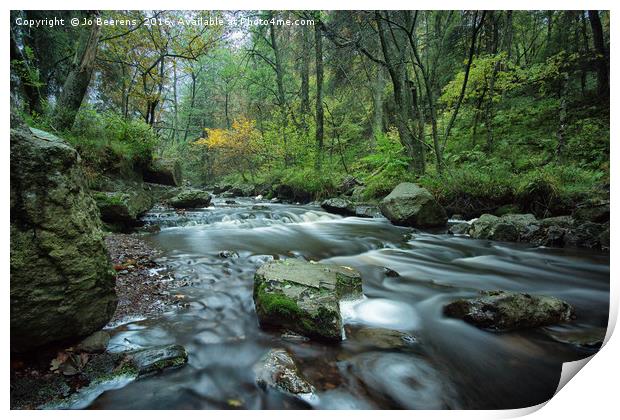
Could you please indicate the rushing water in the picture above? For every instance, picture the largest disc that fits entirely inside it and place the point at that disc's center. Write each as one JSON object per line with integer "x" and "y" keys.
{"x": 451, "y": 365}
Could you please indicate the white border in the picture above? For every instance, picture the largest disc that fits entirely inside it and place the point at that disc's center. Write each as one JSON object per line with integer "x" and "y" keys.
{"x": 592, "y": 395}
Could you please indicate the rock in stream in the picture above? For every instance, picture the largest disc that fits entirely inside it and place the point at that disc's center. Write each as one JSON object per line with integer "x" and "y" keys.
{"x": 505, "y": 311}
{"x": 304, "y": 297}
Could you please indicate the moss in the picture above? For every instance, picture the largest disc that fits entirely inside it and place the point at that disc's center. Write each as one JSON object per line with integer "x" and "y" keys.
{"x": 277, "y": 309}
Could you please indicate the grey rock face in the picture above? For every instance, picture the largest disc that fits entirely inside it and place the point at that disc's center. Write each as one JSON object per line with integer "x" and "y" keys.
{"x": 304, "y": 297}
{"x": 62, "y": 284}
{"x": 503, "y": 311}
{"x": 411, "y": 205}
{"x": 190, "y": 198}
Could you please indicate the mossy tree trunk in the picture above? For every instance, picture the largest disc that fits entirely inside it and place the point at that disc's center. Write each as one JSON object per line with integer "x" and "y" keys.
{"x": 76, "y": 85}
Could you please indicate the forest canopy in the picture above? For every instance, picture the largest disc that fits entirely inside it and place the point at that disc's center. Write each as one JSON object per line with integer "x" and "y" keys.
{"x": 481, "y": 107}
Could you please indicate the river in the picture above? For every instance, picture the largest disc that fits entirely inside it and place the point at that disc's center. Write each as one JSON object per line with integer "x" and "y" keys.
{"x": 450, "y": 364}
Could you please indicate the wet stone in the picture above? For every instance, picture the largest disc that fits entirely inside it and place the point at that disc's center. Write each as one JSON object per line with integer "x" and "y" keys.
{"x": 95, "y": 343}
{"x": 278, "y": 370}
{"x": 381, "y": 338}
{"x": 504, "y": 311}
{"x": 158, "y": 358}
{"x": 304, "y": 297}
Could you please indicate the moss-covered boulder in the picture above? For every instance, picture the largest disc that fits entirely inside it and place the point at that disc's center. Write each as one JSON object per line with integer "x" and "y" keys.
{"x": 505, "y": 311}
{"x": 510, "y": 227}
{"x": 242, "y": 190}
{"x": 304, "y": 297}
{"x": 62, "y": 284}
{"x": 163, "y": 171}
{"x": 120, "y": 210}
{"x": 411, "y": 205}
{"x": 338, "y": 205}
{"x": 277, "y": 369}
{"x": 190, "y": 198}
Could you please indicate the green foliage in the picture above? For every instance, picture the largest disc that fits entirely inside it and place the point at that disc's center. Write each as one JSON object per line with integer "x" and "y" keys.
{"x": 133, "y": 139}
{"x": 385, "y": 167}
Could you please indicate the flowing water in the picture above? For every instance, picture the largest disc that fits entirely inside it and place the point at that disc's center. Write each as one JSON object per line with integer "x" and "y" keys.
{"x": 450, "y": 365}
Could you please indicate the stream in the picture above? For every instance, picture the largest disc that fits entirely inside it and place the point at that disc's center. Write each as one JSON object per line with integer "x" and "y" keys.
{"x": 451, "y": 364}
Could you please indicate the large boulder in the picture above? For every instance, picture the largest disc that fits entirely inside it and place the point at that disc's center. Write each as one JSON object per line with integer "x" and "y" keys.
{"x": 62, "y": 283}
{"x": 163, "y": 171}
{"x": 505, "y": 311}
{"x": 411, "y": 205}
{"x": 190, "y": 198}
{"x": 121, "y": 209}
{"x": 338, "y": 205}
{"x": 510, "y": 227}
{"x": 304, "y": 297}
{"x": 242, "y": 190}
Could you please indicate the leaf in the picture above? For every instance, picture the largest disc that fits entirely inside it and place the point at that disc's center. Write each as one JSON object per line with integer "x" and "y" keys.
{"x": 61, "y": 358}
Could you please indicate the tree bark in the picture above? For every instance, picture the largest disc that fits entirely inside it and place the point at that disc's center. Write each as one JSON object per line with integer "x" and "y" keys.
{"x": 405, "y": 117}
{"x": 602, "y": 62}
{"x": 318, "y": 49}
{"x": 305, "y": 74}
{"x": 76, "y": 85}
{"x": 377, "y": 106}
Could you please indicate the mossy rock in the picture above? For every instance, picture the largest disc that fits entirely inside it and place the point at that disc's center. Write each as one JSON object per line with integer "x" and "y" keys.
{"x": 164, "y": 172}
{"x": 508, "y": 228}
{"x": 505, "y": 311}
{"x": 304, "y": 297}
{"x": 339, "y": 205}
{"x": 411, "y": 205}
{"x": 123, "y": 208}
{"x": 190, "y": 198}
{"x": 62, "y": 283}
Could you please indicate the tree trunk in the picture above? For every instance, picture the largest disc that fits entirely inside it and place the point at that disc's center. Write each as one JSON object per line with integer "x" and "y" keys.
{"x": 472, "y": 48}
{"x": 562, "y": 117}
{"x": 377, "y": 106}
{"x": 396, "y": 66}
{"x": 602, "y": 62}
{"x": 305, "y": 74}
{"x": 76, "y": 85}
{"x": 318, "y": 49}
{"x": 191, "y": 106}
{"x": 280, "y": 86}
{"x": 29, "y": 87}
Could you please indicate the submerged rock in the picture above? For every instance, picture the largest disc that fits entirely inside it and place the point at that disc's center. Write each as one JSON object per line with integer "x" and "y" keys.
{"x": 411, "y": 205}
{"x": 62, "y": 285}
{"x": 338, "y": 206}
{"x": 158, "y": 358}
{"x": 504, "y": 311}
{"x": 97, "y": 342}
{"x": 278, "y": 370}
{"x": 591, "y": 338}
{"x": 190, "y": 198}
{"x": 304, "y": 297}
{"x": 381, "y": 338}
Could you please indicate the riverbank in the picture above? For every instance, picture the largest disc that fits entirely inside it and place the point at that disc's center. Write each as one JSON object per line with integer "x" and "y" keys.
{"x": 55, "y": 374}
{"x": 144, "y": 287}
